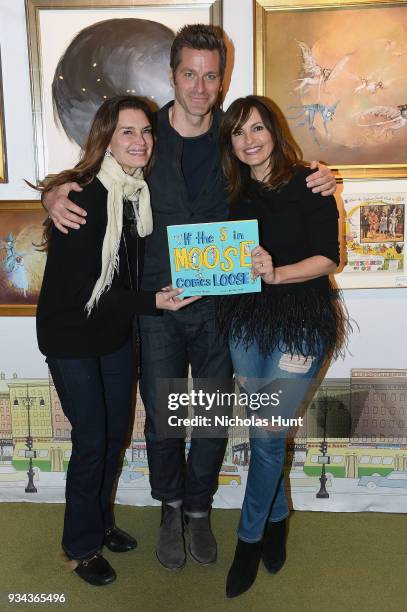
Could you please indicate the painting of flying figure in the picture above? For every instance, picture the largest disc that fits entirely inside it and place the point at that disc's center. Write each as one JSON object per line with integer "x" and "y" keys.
{"x": 308, "y": 113}
{"x": 313, "y": 73}
{"x": 343, "y": 81}
{"x": 22, "y": 260}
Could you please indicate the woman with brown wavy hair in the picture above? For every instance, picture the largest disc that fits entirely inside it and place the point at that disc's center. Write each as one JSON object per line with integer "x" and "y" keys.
{"x": 279, "y": 338}
{"x": 87, "y": 302}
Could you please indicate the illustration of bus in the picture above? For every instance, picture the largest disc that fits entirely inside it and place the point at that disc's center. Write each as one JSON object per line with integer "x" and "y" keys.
{"x": 356, "y": 461}
{"x": 49, "y": 456}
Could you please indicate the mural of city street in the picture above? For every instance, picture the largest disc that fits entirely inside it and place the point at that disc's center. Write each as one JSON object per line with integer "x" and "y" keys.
{"x": 351, "y": 455}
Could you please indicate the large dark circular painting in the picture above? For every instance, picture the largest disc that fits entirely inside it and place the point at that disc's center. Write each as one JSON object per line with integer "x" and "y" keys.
{"x": 106, "y": 59}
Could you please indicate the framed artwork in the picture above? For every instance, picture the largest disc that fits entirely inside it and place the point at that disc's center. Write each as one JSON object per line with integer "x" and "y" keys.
{"x": 3, "y": 156}
{"x": 22, "y": 262}
{"x": 83, "y": 52}
{"x": 338, "y": 71}
{"x": 374, "y": 239}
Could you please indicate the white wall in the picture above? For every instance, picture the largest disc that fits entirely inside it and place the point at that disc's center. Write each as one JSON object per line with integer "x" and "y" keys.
{"x": 380, "y": 313}
{"x": 238, "y": 25}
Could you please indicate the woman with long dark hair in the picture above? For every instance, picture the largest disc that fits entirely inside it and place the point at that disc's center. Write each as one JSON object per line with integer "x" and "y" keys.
{"x": 88, "y": 299}
{"x": 281, "y": 337}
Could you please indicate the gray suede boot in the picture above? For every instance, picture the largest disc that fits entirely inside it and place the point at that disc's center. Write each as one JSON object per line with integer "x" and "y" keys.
{"x": 170, "y": 549}
{"x": 202, "y": 543}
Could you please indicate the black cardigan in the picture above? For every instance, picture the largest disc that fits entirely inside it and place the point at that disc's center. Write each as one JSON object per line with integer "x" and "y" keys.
{"x": 305, "y": 317}
{"x": 73, "y": 265}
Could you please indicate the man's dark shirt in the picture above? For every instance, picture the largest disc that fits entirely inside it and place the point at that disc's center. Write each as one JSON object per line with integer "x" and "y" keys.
{"x": 198, "y": 154}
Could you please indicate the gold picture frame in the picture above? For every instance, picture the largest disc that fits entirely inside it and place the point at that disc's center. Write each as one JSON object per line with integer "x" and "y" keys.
{"x": 3, "y": 153}
{"x": 51, "y": 27}
{"x": 21, "y": 261}
{"x": 337, "y": 69}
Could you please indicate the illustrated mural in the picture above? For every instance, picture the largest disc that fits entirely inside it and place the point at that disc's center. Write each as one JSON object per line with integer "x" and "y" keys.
{"x": 349, "y": 462}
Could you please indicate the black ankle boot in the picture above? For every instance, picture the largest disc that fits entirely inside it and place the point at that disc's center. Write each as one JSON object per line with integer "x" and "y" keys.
{"x": 274, "y": 546}
{"x": 243, "y": 571}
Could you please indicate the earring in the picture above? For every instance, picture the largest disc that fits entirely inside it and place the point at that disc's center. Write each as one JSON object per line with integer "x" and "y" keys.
{"x": 108, "y": 153}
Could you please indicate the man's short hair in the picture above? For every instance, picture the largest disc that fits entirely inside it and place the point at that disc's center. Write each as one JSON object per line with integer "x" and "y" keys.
{"x": 198, "y": 36}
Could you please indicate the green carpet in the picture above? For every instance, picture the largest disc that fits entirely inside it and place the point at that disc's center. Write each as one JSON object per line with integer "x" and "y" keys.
{"x": 336, "y": 562}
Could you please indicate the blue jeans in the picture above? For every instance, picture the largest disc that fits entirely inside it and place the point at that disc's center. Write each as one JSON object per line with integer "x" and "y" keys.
{"x": 265, "y": 497}
{"x": 169, "y": 343}
{"x": 95, "y": 395}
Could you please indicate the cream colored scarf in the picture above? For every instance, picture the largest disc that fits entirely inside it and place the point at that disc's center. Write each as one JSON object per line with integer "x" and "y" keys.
{"x": 119, "y": 186}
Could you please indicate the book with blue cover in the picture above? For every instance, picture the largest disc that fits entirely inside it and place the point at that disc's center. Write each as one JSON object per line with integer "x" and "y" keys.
{"x": 213, "y": 258}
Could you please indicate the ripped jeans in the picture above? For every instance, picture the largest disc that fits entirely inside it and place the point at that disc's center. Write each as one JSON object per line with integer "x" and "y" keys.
{"x": 290, "y": 378}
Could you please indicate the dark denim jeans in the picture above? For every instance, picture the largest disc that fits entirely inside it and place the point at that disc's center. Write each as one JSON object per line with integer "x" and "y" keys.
{"x": 95, "y": 396}
{"x": 169, "y": 343}
{"x": 265, "y": 497}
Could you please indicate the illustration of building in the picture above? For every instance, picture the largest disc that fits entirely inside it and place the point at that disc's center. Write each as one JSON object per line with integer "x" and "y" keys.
{"x": 139, "y": 418}
{"x": 30, "y": 399}
{"x": 240, "y": 453}
{"x": 61, "y": 427}
{"x": 237, "y": 451}
{"x": 138, "y": 445}
{"x": 377, "y": 442}
{"x": 6, "y": 436}
{"x": 35, "y": 409}
{"x": 379, "y": 405}
{"x": 328, "y": 413}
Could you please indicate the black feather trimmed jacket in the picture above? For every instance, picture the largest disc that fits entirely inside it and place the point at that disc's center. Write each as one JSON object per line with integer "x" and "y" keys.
{"x": 306, "y": 318}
